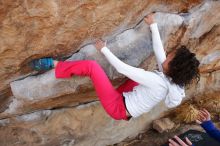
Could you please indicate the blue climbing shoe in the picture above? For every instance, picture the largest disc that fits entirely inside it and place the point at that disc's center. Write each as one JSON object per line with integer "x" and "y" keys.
{"x": 43, "y": 64}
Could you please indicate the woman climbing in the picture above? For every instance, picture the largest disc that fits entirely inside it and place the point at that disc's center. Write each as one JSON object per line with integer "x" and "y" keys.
{"x": 144, "y": 89}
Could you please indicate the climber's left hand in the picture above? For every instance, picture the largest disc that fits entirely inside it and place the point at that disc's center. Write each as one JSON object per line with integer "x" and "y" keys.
{"x": 99, "y": 44}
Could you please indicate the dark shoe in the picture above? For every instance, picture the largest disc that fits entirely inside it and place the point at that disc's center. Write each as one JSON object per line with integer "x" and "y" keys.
{"x": 43, "y": 64}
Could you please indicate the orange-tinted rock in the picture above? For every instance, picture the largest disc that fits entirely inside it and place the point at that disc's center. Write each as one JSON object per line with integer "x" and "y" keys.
{"x": 33, "y": 29}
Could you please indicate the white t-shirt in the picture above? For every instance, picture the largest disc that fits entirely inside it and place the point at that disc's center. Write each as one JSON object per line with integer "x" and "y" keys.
{"x": 153, "y": 86}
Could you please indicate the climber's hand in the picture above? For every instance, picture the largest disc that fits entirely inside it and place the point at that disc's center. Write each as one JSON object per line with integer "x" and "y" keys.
{"x": 149, "y": 19}
{"x": 203, "y": 116}
{"x": 180, "y": 142}
{"x": 99, "y": 44}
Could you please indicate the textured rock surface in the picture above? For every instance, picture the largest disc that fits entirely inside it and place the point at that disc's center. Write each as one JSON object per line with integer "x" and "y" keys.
{"x": 124, "y": 45}
{"x": 188, "y": 111}
{"x": 33, "y": 29}
{"x": 81, "y": 126}
{"x": 163, "y": 125}
{"x": 66, "y": 29}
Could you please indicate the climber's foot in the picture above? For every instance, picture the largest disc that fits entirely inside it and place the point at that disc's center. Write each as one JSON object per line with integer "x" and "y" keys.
{"x": 43, "y": 64}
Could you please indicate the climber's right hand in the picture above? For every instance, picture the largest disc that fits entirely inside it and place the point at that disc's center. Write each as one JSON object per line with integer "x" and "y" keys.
{"x": 149, "y": 19}
{"x": 99, "y": 44}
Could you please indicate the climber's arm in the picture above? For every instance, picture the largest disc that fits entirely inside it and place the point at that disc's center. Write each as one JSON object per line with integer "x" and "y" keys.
{"x": 157, "y": 46}
{"x": 136, "y": 74}
{"x": 157, "y": 43}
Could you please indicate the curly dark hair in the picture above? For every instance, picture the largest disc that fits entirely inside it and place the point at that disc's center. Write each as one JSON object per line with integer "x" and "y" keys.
{"x": 183, "y": 68}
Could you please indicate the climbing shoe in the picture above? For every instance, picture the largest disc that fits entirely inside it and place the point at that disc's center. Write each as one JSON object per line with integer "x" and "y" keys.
{"x": 43, "y": 64}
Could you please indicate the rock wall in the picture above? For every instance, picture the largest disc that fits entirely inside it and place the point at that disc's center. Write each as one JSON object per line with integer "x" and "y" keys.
{"x": 41, "y": 110}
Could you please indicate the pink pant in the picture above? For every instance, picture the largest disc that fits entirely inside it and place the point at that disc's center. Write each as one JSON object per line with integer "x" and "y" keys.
{"x": 110, "y": 98}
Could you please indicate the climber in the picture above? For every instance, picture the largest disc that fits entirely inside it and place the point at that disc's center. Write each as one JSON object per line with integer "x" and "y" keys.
{"x": 144, "y": 89}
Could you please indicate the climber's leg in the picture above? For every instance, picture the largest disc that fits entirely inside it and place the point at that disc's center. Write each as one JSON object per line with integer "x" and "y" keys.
{"x": 111, "y": 99}
{"x": 42, "y": 64}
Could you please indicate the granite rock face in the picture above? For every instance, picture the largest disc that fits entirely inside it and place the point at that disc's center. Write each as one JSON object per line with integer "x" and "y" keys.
{"x": 163, "y": 125}
{"x": 43, "y": 110}
{"x": 85, "y": 125}
{"x": 43, "y": 87}
{"x": 33, "y": 29}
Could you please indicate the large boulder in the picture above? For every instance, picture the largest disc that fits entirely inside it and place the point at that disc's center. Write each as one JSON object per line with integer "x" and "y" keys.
{"x": 43, "y": 110}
